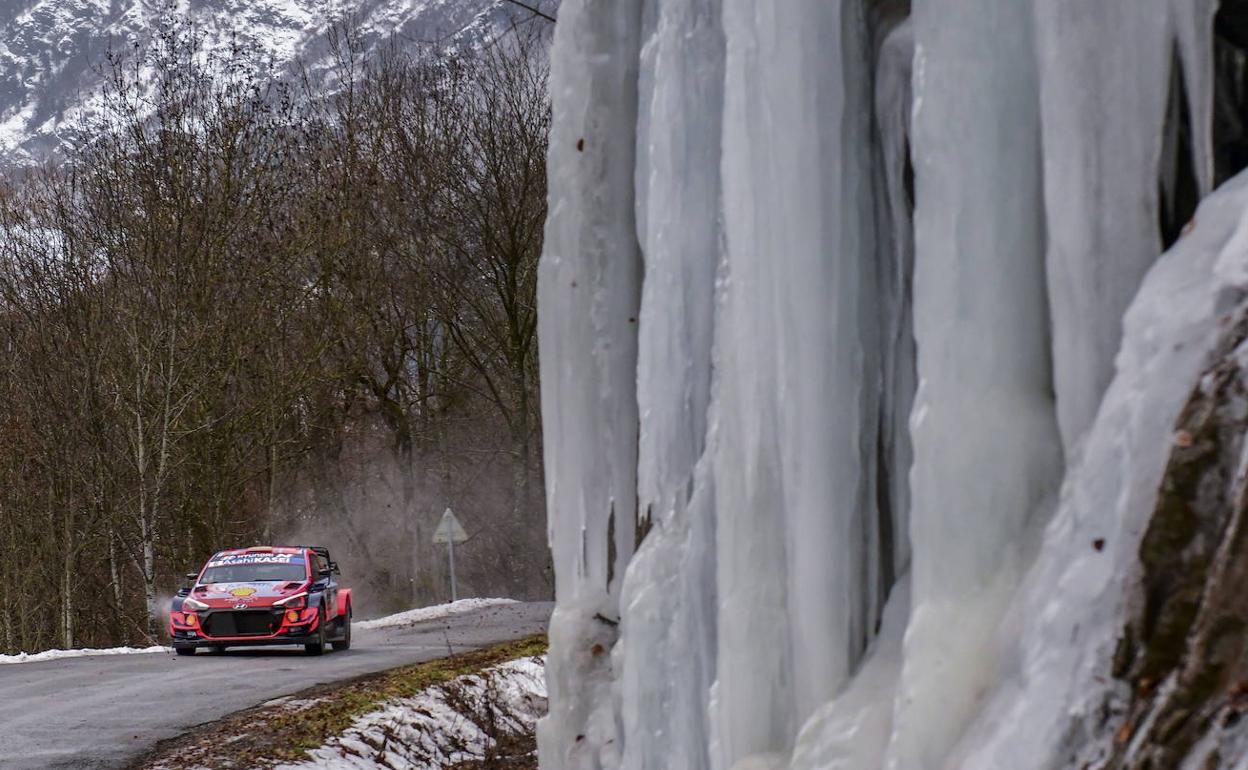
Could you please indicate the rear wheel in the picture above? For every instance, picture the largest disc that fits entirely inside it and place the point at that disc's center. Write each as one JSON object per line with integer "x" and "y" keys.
{"x": 345, "y": 642}
{"x": 184, "y": 650}
{"x": 317, "y": 647}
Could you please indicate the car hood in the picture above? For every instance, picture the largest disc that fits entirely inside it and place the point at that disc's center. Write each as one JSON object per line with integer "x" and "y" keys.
{"x": 245, "y": 595}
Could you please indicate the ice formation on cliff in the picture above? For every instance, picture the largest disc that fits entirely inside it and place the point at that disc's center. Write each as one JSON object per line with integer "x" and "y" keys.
{"x": 732, "y": 296}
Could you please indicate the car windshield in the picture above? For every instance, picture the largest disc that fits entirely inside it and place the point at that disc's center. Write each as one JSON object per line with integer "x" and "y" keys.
{"x": 254, "y": 573}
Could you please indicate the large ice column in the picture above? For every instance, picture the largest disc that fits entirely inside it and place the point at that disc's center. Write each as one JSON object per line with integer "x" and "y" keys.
{"x": 681, "y": 237}
{"x": 589, "y": 293}
{"x": 1072, "y": 606}
{"x": 987, "y": 450}
{"x": 667, "y": 644}
{"x": 1105, "y": 77}
{"x": 852, "y": 730}
{"x": 797, "y": 529}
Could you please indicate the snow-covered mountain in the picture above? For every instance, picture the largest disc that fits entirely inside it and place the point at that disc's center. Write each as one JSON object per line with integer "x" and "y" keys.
{"x": 51, "y": 50}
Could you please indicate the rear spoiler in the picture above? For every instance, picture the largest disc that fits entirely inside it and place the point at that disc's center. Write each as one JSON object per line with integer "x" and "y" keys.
{"x": 323, "y": 552}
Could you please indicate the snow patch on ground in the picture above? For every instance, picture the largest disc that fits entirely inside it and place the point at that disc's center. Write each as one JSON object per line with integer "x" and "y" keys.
{"x": 291, "y": 703}
{"x": 442, "y": 726}
{"x": 436, "y": 612}
{"x": 36, "y": 657}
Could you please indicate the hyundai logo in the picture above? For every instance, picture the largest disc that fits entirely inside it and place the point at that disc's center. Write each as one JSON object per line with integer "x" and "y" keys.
{"x": 240, "y": 606}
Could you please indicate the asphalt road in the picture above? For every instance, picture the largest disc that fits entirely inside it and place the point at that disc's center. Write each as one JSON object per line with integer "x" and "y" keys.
{"x": 93, "y": 713}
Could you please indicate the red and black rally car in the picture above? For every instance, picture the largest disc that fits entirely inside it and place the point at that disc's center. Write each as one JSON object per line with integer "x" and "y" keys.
{"x": 263, "y": 595}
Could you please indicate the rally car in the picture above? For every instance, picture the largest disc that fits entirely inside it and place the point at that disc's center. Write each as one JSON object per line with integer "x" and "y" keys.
{"x": 263, "y": 595}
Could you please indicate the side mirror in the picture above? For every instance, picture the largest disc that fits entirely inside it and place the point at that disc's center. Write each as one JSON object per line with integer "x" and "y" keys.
{"x": 192, "y": 576}
{"x": 333, "y": 567}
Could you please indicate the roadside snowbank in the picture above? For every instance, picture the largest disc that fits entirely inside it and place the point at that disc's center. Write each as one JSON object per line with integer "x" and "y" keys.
{"x": 436, "y": 612}
{"x": 407, "y": 618}
{"x": 443, "y": 726}
{"x": 36, "y": 657}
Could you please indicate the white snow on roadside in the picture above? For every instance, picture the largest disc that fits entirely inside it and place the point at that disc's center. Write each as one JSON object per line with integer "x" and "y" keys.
{"x": 428, "y": 731}
{"x": 36, "y": 657}
{"x": 436, "y": 612}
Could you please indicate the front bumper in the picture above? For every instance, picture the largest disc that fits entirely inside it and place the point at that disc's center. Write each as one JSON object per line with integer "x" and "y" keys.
{"x": 202, "y": 629}
{"x": 183, "y": 639}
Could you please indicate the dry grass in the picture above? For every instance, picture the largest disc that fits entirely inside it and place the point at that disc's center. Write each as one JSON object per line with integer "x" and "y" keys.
{"x": 284, "y": 730}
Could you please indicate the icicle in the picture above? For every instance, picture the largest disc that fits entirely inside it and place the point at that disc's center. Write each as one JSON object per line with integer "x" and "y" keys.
{"x": 667, "y": 624}
{"x": 1105, "y": 77}
{"x": 1193, "y": 29}
{"x": 795, "y": 458}
{"x": 851, "y": 732}
{"x": 679, "y": 184}
{"x": 589, "y": 293}
{"x": 985, "y": 436}
{"x": 590, "y": 286}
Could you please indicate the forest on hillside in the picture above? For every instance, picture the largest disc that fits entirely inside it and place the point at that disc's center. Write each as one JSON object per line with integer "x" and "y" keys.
{"x": 244, "y": 306}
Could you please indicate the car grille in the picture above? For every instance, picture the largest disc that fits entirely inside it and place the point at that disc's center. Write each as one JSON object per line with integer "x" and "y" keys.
{"x": 241, "y": 623}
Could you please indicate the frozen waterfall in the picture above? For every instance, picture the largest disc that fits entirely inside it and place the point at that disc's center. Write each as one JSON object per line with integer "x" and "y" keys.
{"x": 831, "y": 293}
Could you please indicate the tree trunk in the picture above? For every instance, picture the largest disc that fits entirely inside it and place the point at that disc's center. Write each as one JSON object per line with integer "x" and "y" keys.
{"x": 271, "y": 503}
{"x": 149, "y": 581}
{"x": 67, "y": 603}
{"x": 114, "y": 572}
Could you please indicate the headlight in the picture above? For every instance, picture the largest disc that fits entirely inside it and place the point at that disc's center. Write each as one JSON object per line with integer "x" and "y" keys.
{"x": 193, "y": 604}
{"x": 298, "y": 600}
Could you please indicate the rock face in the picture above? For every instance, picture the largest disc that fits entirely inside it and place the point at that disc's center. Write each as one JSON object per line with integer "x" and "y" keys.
{"x": 1184, "y": 651}
{"x": 51, "y": 51}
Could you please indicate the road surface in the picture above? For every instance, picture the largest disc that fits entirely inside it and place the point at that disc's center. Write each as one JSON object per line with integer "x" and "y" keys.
{"x": 94, "y": 713}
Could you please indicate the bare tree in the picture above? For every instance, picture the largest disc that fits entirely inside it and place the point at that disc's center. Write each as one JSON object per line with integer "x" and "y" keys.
{"x": 243, "y": 308}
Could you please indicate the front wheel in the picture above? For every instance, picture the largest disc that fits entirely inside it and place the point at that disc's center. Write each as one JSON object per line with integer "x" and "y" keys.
{"x": 345, "y": 642}
{"x": 317, "y": 647}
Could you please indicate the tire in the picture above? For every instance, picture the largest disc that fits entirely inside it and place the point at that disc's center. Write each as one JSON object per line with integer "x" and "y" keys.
{"x": 184, "y": 650}
{"x": 217, "y": 649}
{"x": 317, "y": 647}
{"x": 344, "y": 643}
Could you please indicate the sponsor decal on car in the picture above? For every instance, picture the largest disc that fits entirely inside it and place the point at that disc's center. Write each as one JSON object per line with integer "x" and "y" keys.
{"x": 230, "y": 560}
{"x": 243, "y": 592}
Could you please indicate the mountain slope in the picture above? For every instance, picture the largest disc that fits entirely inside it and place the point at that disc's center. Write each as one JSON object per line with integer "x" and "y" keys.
{"x": 52, "y": 51}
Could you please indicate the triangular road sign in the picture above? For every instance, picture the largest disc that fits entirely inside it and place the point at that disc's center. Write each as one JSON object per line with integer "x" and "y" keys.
{"x": 449, "y": 530}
